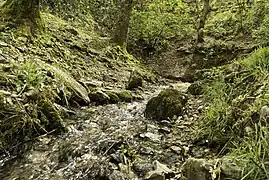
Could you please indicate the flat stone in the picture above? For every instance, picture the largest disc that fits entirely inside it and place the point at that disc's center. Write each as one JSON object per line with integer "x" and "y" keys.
{"x": 93, "y": 83}
{"x": 176, "y": 149}
{"x": 151, "y": 136}
{"x": 142, "y": 168}
{"x": 159, "y": 173}
{"x": 146, "y": 151}
{"x": 3, "y": 44}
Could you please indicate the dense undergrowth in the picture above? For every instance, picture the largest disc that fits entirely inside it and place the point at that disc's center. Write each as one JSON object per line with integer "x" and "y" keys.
{"x": 237, "y": 117}
{"x": 27, "y": 103}
{"x": 43, "y": 76}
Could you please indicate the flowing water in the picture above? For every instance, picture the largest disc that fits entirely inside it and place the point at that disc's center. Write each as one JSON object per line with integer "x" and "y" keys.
{"x": 107, "y": 142}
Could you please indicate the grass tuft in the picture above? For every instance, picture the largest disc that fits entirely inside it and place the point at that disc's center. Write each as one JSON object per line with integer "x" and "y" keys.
{"x": 235, "y": 99}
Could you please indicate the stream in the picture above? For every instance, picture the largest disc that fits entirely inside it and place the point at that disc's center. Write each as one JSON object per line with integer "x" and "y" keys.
{"x": 110, "y": 142}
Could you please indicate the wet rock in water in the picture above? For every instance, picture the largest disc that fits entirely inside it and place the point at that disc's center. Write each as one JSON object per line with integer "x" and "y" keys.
{"x": 135, "y": 80}
{"x": 141, "y": 169}
{"x": 182, "y": 87}
{"x": 167, "y": 104}
{"x": 99, "y": 97}
{"x": 196, "y": 88}
{"x": 117, "y": 175}
{"x": 153, "y": 137}
{"x": 202, "y": 169}
{"x": 189, "y": 76}
{"x": 159, "y": 172}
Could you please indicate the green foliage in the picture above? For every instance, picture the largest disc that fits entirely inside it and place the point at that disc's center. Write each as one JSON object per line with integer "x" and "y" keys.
{"x": 262, "y": 32}
{"x": 231, "y": 19}
{"x": 77, "y": 11}
{"x": 221, "y": 25}
{"x": 27, "y": 105}
{"x": 160, "y": 20}
{"x": 235, "y": 99}
{"x": 105, "y": 13}
{"x": 258, "y": 61}
{"x": 253, "y": 154}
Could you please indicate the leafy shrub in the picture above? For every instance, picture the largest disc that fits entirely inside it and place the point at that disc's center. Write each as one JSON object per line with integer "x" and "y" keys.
{"x": 105, "y": 13}
{"x": 76, "y": 10}
{"x": 222, "y": 25}
{"x": 159, "y": 20}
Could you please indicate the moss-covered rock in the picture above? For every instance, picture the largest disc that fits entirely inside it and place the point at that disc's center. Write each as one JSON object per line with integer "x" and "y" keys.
{"x": 99, "y": 97}
{"x": 113, "y": 97}
{"x": 102, "y": 96}
{"x": 135, "y": 80}
{"x": 196, "y": 88}
{"x": 125, "y": 96}
{"x": 202, "y": 169}
{"x": 168, "y": 103}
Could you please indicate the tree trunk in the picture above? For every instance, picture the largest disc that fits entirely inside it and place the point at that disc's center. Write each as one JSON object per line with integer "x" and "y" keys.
{"x": 23, "y": 12}
{"x": 121, "y": 31}
{"x": 200, "y": 30}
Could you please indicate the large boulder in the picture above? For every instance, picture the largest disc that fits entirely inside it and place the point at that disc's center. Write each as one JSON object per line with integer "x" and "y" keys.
{"x": 135, "y": 80}
{"x": 167, "y": 104}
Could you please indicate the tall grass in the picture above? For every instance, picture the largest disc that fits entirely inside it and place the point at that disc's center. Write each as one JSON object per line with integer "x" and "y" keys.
{"x": 235, "y": 99}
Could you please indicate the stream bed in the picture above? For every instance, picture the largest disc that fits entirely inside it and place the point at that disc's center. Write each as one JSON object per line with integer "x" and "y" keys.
{"x": 111, "y": 142}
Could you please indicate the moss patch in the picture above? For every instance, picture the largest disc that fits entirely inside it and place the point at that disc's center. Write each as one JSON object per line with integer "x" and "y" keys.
{"x": 125, "y": 96}
{"x": 114, "y": 98}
